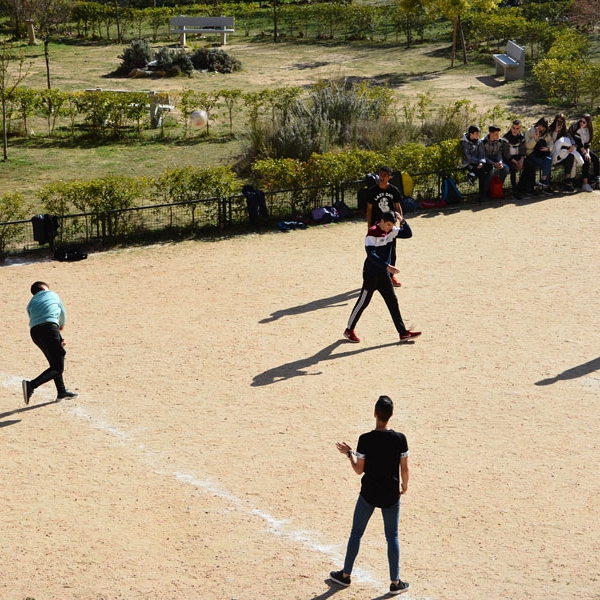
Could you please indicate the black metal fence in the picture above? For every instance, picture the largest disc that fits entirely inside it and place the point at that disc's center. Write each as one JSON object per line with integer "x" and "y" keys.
{"x": 187, "y": 219}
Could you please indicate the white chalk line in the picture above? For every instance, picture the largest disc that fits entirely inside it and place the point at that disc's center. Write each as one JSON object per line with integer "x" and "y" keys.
{"x": 277, "y": 527}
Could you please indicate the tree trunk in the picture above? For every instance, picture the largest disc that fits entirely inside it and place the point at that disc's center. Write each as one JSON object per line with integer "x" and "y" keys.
{"x": 454, "y": 41}
{"x": 119, "y": 39}
{"x": 47, "y": 56}
{"x": 275, "y": 35}
{"x": 4, "y": 131}
{"x": 462, "y": 41}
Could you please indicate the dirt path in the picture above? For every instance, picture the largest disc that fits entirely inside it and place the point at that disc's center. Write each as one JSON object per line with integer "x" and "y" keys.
{"x": 199, "y": 462}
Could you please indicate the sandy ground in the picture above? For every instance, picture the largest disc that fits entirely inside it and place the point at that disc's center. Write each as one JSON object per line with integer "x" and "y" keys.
{"x": 198, "y": 461}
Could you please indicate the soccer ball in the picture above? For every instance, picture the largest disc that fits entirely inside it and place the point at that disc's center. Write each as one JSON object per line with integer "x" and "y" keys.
{"x": 199, "y": 118}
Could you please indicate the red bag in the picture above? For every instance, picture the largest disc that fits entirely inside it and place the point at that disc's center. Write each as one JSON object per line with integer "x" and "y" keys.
{"x": 496, "y": 187}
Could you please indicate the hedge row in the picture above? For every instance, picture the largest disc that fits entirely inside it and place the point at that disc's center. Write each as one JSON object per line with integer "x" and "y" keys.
{"x": 337, "y": 168}
{"x": 108, "y": 113}
{"x": 111, "y": 114}
{"x": 190, "y": 184}
{"x": 319, "y": 20}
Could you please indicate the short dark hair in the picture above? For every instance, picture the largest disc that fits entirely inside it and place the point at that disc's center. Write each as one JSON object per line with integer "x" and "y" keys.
{"x": 388, "y": 216}
{"x": 474, "y": 129}
{"x": 384, "y": 408}
{"x": 38, "y": 286}
{"x": 386, "y": 169}
{"x": 517, "y": 122}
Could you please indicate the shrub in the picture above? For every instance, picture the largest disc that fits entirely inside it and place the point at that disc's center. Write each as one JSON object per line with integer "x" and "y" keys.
{"x": 136, "y": 56}
{"x": 451, "y": 121}
{"x": 11, "y": 209}
{"x": 564, "y": 73}
{"x": 305, "y": 132}
{"x": 214, "y": 59}
{"x": 173, "y": 62}
{"x": 187, "y": 184}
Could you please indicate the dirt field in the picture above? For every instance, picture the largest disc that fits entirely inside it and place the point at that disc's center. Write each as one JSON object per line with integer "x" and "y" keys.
{"x": 198, "y": 461}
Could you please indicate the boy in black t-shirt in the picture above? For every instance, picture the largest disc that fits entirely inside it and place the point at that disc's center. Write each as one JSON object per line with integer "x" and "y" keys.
{"x": 382, "y": 455}
{"x": 384, "y": 197}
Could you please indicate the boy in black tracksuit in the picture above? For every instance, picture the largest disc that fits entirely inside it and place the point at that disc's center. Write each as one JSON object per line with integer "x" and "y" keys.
{"x": 377, "y": 273}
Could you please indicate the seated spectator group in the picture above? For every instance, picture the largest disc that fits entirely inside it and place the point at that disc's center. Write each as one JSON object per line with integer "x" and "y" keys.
{"x": 523, "y": 154}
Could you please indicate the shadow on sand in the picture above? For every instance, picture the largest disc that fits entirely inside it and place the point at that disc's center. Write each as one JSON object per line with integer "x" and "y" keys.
{"x": 573, "y": 373}
{"x": 298, "y": 368}
{"x": 331, "y": 302}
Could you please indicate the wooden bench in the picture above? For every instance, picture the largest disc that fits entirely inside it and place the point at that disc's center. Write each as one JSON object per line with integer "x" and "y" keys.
{"x": 185, "y": 25}
{"x": 512, "y": 64}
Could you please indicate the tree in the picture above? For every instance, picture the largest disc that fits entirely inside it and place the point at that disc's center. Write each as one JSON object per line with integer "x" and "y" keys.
{"x": 231, "y": 98}
{"x": 48, "y": 16}
{"x": 275, "y": 32}
{"x": 8, "y": 83}
{"x": 410, "y": 13}
{"x": 16, "y": 9}
{"x": 454, "y": 9}
{"x": 585, "y": 15}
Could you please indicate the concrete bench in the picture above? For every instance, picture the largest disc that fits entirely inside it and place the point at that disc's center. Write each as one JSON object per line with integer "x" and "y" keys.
{"x": 512, "y": 63}
{"x": 158, "y": 102}
{"x": 185, "y": 25}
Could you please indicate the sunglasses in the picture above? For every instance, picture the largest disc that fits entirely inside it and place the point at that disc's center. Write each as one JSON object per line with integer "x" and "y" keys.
{"x": 583, "y": 122}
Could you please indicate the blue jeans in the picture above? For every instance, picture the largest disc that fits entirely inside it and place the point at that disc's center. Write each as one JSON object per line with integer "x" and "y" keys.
{"x": 391, "y": 517}
{"x": 544, "y": 163}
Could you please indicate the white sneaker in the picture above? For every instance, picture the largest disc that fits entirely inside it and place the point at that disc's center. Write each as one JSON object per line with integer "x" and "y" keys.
{"x": 586, "y": 187}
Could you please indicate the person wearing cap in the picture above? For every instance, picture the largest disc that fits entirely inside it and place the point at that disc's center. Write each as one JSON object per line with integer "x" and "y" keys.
{"x": 473, "y": 160}
{"x": 384, "y": 197}
{"x": 47, "y": 317}
{"x": 494, "y": 149}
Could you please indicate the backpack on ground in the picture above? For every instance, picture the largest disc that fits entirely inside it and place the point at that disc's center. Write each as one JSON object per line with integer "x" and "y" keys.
{"x": 409, "y": 205}
{"x": 449, "y": 192}
{"x": 325, "y": 214}
{"x": 496, "y": 187}
{"x": 69, "y": 253}
{"x": 344, "y": 211}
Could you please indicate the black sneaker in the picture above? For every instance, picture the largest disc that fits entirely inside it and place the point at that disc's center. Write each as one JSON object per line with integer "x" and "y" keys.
{"x": 66, "y": 394}
{"x": 27, "y": 390}
{"x": 340, "y": 578}
{"x": 471, "y": 178}
{"x": 398, "y": 588}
